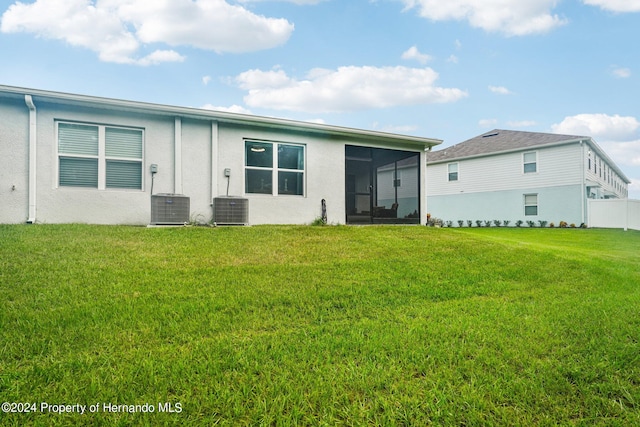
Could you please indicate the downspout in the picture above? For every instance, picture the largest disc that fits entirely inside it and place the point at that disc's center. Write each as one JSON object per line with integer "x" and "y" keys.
{"x": 425, "y": 191}
{"x": 32, "y": 158}
{"x": 583, "y": 183}
{"x": 177, "y": 159}
{"x": 214, "y": 160}
{"x": 583, "y": 189}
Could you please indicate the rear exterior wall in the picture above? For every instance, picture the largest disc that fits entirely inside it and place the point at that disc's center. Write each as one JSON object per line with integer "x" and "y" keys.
{"x": 191, "y": 155}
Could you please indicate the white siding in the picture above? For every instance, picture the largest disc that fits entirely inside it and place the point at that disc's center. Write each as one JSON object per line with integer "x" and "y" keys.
{"x": 556, "y": 166}
{"x": 407, "y": 201}
{"x": 607, "y": 183}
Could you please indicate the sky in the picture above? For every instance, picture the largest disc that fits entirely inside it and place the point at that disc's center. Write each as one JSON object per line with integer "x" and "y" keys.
{"x": 449, "y": 70}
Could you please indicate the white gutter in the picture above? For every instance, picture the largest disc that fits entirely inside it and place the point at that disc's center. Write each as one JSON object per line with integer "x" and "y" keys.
{"x": 32, "y": 158}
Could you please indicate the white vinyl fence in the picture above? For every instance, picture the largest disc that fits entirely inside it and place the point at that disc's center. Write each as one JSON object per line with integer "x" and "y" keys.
{"x": 614, "y": 213}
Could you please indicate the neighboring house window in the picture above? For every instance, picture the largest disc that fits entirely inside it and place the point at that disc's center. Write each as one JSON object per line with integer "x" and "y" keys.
{"x": 98, "y": 156}
{"x": 530, "y": 162}
{"x": 530, "y": 204}
{"x": 453, "y": 171}
{"x": 600, "y": 164}
{"x": 272, "y": 168}
{"x": 397, "y": 179}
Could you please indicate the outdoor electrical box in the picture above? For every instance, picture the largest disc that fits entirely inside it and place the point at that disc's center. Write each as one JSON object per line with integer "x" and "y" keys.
{"x": 153, "y": 168}
{"x": 227, "y": 172}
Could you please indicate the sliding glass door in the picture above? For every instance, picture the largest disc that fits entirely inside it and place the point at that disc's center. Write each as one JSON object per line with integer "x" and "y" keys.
{"x": 382, "y": 186}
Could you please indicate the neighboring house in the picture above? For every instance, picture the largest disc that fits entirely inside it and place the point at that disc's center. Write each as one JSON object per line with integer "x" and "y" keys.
{"x": 73, "y": 158}
{"x": 528, "y": 176}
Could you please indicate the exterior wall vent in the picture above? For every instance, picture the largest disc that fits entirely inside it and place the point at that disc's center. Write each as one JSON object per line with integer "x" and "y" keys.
{"x": 169, "y": 209}
{"x": 229, "y": 210}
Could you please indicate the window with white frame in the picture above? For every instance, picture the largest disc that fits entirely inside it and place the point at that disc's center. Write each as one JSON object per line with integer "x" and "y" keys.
{"x": 452, "y": 170}
{"x": 274, "y": 168}
{"x": 530, "y": 162}
{"x": 530, "y": 204}
{"x": 99, "y": 156}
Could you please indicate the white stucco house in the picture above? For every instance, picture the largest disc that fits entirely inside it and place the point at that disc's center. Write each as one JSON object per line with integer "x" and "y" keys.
{"x": 74, "y": 158}
{"x": 528, "y": 176}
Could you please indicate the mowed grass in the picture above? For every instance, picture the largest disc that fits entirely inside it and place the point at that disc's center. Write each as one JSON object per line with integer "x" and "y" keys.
{"x": 321, "y": 325}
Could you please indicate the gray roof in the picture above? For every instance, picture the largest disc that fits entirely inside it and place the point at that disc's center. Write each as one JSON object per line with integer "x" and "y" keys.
{"x": 497, "y": 141}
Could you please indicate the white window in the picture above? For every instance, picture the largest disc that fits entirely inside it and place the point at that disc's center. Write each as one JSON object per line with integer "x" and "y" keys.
{"x": 274, "y": 168}
{"x": 530, "y": 162}
{"x": 98, "y": 156}
{"x": 452, "y": 169}
{"x": 530, "y": 204}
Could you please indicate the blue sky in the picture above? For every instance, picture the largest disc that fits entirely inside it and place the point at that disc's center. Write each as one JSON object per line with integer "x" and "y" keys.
{"x": 441, "y": 69}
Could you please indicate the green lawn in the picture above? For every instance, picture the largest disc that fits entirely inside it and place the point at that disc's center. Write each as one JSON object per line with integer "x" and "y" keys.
{"x": 320, "y": 325}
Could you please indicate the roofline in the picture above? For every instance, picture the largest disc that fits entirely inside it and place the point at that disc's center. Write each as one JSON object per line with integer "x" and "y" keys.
{"x": 513, "y": 150}
{"x": 219, "y": 116}
{"x": 585, "y": 139}
{"x": 611, "y": 163}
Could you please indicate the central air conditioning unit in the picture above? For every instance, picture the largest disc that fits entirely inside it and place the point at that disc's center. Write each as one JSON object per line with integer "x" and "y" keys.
{"x": 229, "y": 210}
{"x": 169, "y": 209}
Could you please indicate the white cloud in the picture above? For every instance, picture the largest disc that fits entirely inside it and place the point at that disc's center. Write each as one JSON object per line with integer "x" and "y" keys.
{"x": 414, "y": 53}
{"x": 299, "y": 2}
{"x": 403, "y": 129}
{"x": 599, "y": 126}
{"x": 211, "y": 25}
{"x": 616, "y": 5}
{"x": 501, "y": 90}
{"x": 256, "y": 79}
{"x": 488, "y": 123}
{"x": 621, "y": 73}
{"x": 233, "y": 109}
{"x": 452, "y": 59}
{"x": 511, "y": 17}
{"x": 160, "y": 56}
{"x": 617, "y": 135}
{"x": 345, "y": 89}
{"x": 206, "y": 80}
{"x": 118, "y": 29}
{"x": 624, "y": 153}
